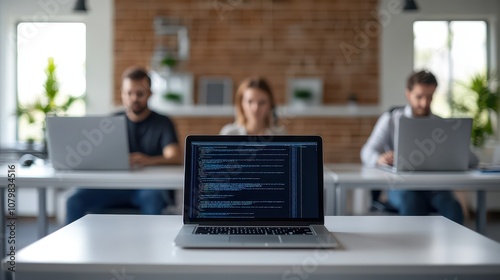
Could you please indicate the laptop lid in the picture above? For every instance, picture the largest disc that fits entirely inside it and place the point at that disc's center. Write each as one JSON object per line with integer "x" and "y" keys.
{"x": 88, "y": 143}
{"x": 432, "y": 144}
{"x": 253, "y": 180}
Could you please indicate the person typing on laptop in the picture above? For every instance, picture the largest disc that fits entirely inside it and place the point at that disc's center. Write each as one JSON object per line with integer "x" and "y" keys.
{"x": 152, "y": 141}
{"x": 379, "y": 150}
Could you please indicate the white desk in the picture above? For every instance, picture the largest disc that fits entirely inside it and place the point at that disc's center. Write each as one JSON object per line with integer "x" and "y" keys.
{"x": 350, "y": 176}
{"x": 103, "y": 247}
{"x": 42, "y": 177}
{"x": 153, "y": 177}
{"x": 160, "y": 177}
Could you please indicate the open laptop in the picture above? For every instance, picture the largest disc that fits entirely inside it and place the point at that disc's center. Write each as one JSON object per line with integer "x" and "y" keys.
{"x": 254, "y": 191}
{"x": 432, "y": 144}
{"x": 88, "y": 143}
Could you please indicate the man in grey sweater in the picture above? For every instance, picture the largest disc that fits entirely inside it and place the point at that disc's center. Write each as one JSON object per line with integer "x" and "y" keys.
{"x": 379, "y": 150}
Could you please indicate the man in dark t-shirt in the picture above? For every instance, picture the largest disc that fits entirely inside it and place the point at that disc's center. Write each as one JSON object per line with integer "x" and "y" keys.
{"x": 152, "y": 141}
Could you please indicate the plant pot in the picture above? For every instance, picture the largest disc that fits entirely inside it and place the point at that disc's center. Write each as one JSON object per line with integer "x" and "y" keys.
{"x": 301, "y": 103}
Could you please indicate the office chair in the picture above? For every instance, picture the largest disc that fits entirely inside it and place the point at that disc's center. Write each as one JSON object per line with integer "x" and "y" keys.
{"x": 381, "y": 206}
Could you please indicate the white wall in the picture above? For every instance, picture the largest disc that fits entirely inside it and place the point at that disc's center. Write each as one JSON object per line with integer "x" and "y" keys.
{"x": 99, "y": 22}
{"x": 396, "y": 42}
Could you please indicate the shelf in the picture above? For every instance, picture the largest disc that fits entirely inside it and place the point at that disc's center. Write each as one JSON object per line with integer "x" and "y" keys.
{"x": 337, "y": 111}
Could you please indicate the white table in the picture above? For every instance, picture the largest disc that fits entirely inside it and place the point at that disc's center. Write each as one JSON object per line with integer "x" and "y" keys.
{"x": 170, "y": 177}
{"x": 153, "y": 177}
{"x": 43, "y": 177}
{"x": 350, "y": 176}
{"x": 103, "y": 247}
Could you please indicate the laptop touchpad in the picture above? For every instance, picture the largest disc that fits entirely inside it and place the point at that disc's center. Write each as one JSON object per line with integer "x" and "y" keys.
{"x": 254, "y": 239}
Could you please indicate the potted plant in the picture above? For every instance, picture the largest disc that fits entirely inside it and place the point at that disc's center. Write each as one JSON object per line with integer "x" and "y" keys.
{"x": 481, "y": 104}
{"x": 173, "y": 97}
{"x": 49, "y": 103}
{"x": 302, "y": 96}
{"x": 169, "y": 61}
{"x": 168, "y": 64}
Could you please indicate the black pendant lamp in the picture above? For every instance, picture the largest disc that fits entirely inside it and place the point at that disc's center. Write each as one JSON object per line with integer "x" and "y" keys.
{"x": 410, "y": 6}
{"x": 80, "y": 6}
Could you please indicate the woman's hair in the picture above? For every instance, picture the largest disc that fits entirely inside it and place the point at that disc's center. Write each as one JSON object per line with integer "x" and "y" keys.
{"x": 254, "y": 83}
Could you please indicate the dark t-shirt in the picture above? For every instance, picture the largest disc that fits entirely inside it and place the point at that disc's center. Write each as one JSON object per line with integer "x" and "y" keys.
{"x": 151, "y": 135}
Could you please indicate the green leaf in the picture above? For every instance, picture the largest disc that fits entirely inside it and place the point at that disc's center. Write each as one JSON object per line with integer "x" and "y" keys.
{"x": 51, "y": 84}
{"x": 48, "y": 103}
{"x": 173, "y": 96}
{"x": 305, "y": 94}
{"x": 38, "y": 106}
{"x": 169, "y": 61}
{"x": 483, "y": 100}
{"x": 69, "y": 102}
{"x": 30, "y": 117}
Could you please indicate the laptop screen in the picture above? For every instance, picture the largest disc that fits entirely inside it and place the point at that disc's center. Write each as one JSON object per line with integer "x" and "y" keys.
{"x": 238, "y": 178}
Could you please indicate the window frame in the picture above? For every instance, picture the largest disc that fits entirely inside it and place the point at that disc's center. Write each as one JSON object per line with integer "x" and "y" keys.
{"x": 489, "y": 40}
{"x": 16, "y": 67}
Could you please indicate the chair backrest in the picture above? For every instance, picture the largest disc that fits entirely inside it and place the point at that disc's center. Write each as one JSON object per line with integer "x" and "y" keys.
{"x": 394, "y": 108}
{"x": 376, "y": 195}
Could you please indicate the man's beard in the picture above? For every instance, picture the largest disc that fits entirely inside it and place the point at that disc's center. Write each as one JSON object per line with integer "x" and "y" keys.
{"x": 422, "y": 112}
{"x": 138, "y": 109}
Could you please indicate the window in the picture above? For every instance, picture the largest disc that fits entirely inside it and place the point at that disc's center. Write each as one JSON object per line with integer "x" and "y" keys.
{"x": 66, "y": 44}
{"x": 454, "y": 51}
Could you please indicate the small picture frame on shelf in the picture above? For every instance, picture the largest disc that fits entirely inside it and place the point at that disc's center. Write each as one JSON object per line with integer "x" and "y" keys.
{"x": 214, "y": 91}
{"x": 172, "y": 89}
{"x": 305, "y": 91}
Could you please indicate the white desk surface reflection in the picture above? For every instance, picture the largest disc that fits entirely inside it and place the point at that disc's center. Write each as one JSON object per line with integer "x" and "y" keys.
{"x": 376, "y": 247}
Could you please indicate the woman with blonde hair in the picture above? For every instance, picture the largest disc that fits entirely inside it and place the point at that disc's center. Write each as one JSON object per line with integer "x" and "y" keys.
{"x": 255, "y": 110}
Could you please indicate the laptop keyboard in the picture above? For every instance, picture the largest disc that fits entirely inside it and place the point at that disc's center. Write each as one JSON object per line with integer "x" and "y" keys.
{"x": 254, "y": 230}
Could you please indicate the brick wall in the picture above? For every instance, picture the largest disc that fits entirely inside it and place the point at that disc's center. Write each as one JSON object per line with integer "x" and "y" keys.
{"x": 276, "y": 39}
{"x": 342, "y": 137}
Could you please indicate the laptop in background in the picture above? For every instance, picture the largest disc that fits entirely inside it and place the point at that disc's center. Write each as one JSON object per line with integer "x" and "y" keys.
{"x": 432, "y": 144}
{"x": 88, "y": 143}
{"x": 254, "y": 191}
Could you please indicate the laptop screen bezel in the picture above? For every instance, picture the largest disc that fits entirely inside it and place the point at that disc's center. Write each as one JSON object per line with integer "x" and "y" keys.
{"x": 262, "y": 139}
